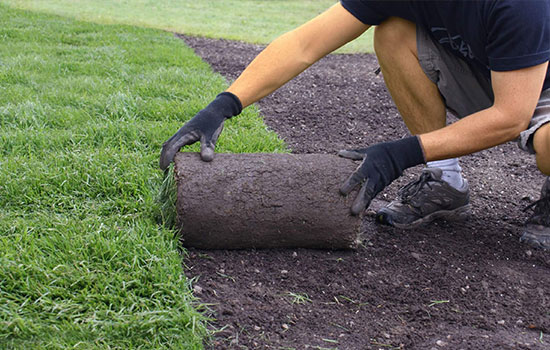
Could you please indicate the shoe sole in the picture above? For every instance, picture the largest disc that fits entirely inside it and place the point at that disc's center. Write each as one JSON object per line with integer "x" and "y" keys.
{"x": 455, "y": 215}
{"x": 535, "y": 240}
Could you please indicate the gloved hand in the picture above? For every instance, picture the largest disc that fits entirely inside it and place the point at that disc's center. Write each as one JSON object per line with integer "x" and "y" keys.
{"x": 205, "y": 127}
{"x": 382, "y": 163}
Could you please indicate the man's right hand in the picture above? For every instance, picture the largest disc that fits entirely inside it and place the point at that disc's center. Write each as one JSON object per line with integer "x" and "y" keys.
{"x": 382, "y": 163}
{"x": 205, "y": 127}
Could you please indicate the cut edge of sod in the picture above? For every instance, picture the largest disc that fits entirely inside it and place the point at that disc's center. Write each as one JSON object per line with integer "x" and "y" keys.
{"x": 166, "y": 199}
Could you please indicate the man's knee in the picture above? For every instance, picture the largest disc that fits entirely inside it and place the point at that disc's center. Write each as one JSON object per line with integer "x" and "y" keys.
{"x": 394, "y": 34}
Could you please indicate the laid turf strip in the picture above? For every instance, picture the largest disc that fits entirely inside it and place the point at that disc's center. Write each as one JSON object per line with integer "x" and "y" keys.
{"x": 84, "y": 109}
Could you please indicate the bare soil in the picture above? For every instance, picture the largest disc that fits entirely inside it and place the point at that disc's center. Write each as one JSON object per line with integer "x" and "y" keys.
{"x": 468, "y": 285}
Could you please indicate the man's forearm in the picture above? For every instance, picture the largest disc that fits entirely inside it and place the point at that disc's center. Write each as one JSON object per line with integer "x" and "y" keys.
{"x": 293, "y": 52}
{"x": 281, "y": 61}
{"x": 516, "y": 95}
{"x": 479, "y": 131}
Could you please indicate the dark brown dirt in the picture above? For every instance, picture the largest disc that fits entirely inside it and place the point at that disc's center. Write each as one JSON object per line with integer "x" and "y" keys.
{"x": 465, "y": 285}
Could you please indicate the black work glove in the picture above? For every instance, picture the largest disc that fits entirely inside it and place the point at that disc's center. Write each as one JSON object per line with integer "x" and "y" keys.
{"x": 382, "y": 163}
{"x": 205, "y": 127}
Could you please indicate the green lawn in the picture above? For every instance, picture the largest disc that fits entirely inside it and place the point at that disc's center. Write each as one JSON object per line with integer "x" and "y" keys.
{"x": 84, "y": 109}
{"x": 257, "y": 21}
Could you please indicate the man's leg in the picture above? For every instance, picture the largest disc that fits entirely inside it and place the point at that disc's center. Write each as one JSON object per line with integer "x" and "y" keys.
{"x": 422, "y": 108}
{"x": 417, "y": 98}
{"x": 537, "y": 228}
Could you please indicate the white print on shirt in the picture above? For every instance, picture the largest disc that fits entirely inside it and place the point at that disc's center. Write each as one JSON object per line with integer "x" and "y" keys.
{"x": 455, "y": 42}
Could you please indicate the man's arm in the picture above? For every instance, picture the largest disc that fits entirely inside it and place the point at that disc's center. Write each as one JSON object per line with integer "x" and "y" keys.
{"x": 516, "y": 95}
{"x": 281, "y": 61}
{"x": 293, "y": 52}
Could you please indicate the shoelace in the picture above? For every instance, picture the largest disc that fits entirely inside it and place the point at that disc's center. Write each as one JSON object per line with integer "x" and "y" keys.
{"x": 411, "y": 189}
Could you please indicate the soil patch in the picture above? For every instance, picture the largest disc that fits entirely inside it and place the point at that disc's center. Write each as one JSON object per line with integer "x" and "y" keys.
{"x": 467, "y": 285}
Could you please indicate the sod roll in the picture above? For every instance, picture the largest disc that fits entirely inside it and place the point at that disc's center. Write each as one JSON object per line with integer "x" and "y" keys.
{"x": 241, "y": 201}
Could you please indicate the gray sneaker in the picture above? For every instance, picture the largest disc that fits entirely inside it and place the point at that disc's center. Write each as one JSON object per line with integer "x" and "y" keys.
{"x": 537, "y": 228}
{"x": 425, "y": 200}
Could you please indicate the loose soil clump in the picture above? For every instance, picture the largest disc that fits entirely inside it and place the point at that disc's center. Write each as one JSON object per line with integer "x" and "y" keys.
{"x": 468, "y": 285}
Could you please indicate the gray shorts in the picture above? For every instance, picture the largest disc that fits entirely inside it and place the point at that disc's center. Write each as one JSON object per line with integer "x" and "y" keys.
{"x": 465, "y": 90}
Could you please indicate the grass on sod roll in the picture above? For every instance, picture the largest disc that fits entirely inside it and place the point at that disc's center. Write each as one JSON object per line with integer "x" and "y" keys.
{"x": 256, "y": 21}
{"x": 84, "y": 109}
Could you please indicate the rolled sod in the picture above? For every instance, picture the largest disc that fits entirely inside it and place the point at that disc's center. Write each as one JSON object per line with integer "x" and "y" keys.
{"x": 241, "y": 201}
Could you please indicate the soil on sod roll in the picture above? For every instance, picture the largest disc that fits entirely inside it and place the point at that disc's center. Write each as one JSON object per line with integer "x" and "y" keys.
{"x": 468, "y": 285}
{"x": 264, "y": 200}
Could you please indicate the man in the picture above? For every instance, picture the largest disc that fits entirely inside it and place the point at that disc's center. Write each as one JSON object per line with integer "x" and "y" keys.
{"x": 485, "y": 61}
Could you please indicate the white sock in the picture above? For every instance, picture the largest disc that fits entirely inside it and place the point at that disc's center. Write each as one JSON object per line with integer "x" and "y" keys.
{"x": 452, "y": 172}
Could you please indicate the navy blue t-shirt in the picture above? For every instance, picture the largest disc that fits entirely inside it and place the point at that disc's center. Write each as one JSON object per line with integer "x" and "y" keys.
{"x": 499, "y": 35}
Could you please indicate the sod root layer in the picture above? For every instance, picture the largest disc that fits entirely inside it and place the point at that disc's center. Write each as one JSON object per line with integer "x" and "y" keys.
{"x": 468, "y": 285}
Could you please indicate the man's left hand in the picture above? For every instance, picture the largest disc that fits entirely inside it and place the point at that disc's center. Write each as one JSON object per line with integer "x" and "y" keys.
{"x": 382, "y": 163}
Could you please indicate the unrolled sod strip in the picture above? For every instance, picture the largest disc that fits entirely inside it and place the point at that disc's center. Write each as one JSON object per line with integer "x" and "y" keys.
{"x": 240, "y": 201}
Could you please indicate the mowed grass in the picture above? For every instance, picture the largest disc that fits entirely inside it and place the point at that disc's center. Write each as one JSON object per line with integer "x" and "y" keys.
{"x": 84, "y": 109}
{"x": 256, "y": 21}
